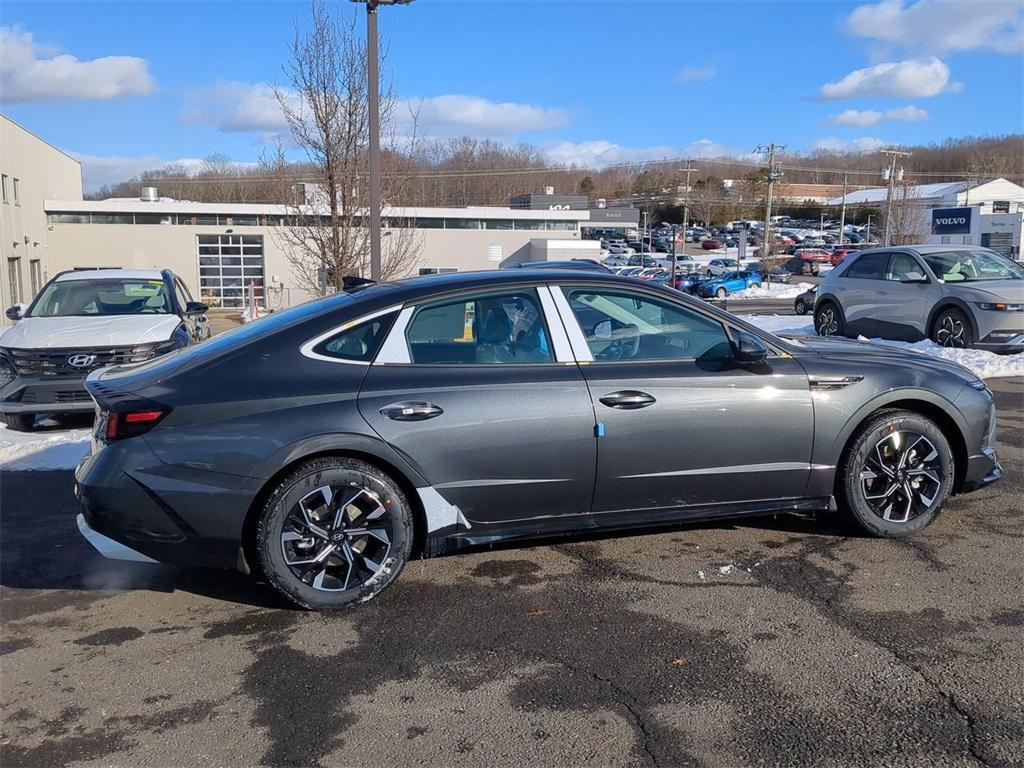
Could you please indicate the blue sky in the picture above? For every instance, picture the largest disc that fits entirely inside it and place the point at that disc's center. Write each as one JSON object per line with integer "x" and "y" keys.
{"x": 131, "y": 85}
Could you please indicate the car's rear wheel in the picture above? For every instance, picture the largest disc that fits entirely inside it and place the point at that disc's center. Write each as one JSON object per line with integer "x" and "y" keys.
{"x": 721, "y": 293}
{"x": 952, "y": 329}
{"x": 19, "y": 422}
{"x": 827, "y": 320}
{"x": 896, "y": 474}
{"x": 800, "y": 307}
{"x": 333, "y": 533}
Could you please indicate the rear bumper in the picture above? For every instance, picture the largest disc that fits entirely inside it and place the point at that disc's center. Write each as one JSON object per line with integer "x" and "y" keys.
{"x": 110, "y": 549}
{"x": 50, "y": 395}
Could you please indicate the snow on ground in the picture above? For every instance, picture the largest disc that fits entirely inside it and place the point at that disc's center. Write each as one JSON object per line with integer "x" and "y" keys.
{"x": 49, "y": 447}
{"x": 772, "y": 291}
{"x": 986, "y": 365}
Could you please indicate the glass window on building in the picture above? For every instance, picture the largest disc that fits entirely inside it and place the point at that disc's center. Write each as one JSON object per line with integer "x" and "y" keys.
{"x": 561, "y": 225}
{"x": 154, "y": 218}
{"x": 3, "y": 186}
{"x": 497, "y": 223}
{"x": 35, "y": 275}
{"x": 462, "y": 223}
{"x": 14, "y": 189}
{"x": 427, "y": 223}
{"x": 529, "y": 224}
{"x": 225, "y": 277}
{"x": 14, "y": 279}
{"x": 67, "y": 218}
{"x": 112, "y": 218}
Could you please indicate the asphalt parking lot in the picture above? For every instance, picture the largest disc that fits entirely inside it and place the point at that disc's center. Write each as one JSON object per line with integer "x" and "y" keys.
{"x": 784, "y": 641}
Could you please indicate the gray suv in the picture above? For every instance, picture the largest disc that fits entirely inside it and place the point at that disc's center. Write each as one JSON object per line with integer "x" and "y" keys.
{"x": 958, "y": 296}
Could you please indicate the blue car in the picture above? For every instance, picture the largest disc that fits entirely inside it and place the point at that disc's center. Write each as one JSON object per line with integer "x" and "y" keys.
{"x": 730, "y": 282}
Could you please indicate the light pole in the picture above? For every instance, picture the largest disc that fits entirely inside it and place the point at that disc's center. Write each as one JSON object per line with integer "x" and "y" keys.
{"x": 373, "y": 99}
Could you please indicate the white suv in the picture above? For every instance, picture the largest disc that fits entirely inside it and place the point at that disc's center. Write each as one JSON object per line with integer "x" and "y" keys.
{"x": 88, "y": 319}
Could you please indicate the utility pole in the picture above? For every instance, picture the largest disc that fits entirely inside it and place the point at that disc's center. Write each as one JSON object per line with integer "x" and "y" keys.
{"x": 686, "y": 215}
{"x": 842, "y": 211}
{"x": 774, "y": 174}
{"x": 890, "y": 173}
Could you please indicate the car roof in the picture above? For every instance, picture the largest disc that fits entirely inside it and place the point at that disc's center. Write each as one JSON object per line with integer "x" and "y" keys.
{"x": 108, "y": 274}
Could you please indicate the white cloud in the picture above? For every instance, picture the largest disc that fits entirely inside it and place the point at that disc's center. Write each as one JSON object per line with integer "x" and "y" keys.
{"x": 693, "y": 74}
{"x": 868, "y": 117}
{"x": 601, "y": 153}
{"x": 30, "y": 72}
{"x": 235, "y": 106}
{"x": 941, "y": 26}
{"x": 98, "y": 170}
{"x": 920, "y": 78}
{"x": 460, "y": 115}
{"x": 863, "y": 144}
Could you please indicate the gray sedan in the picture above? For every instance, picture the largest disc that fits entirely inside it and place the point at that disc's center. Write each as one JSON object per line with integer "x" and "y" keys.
{"x": 958, "y": 296}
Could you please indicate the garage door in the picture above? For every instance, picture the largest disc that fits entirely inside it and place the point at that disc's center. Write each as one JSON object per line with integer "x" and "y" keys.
{"x": 230, "y": 269}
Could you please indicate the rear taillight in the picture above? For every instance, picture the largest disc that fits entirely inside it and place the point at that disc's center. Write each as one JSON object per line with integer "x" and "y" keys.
{"x": 131, "y": 423}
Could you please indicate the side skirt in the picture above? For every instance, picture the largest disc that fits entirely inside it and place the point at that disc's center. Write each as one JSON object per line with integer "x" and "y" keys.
{"x": 455, "y": 539}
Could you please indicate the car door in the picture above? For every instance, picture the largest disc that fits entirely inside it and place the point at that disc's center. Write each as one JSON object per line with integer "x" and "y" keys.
{"x": 861, "y": 292}
{"x": 481, "y": 393}
{"x": 681, "y": 423}
{"x": 197, "y": 323}
{"x": 911, "y": 294}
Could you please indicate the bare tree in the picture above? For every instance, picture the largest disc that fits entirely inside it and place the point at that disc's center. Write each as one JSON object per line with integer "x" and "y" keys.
{"x": 909, "y": 222}
{"x": 324, "y": 233}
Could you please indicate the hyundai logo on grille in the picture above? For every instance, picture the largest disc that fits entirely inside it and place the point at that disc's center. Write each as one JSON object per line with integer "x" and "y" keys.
{"x": 81, "y": 361}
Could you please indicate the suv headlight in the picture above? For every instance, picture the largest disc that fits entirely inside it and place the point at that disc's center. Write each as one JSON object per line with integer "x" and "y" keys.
{"x": 998, "y": 306}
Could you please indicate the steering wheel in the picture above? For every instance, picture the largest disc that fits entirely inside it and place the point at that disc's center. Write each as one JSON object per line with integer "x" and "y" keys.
{"x": 622, "y": 348}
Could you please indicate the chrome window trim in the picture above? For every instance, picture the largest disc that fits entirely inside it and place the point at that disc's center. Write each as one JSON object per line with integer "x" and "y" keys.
{"x": 556, "y": 327}
{"x": 578, "y": 342}
{"x": 395, "y": 350}
{"x": 307, "y": 349}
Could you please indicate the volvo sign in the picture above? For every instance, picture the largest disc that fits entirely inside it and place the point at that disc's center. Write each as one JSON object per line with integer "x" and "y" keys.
{"x": 951, "y": 221}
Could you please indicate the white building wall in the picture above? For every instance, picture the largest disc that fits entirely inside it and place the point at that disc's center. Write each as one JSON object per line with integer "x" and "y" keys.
{"x": 42, "y": 171}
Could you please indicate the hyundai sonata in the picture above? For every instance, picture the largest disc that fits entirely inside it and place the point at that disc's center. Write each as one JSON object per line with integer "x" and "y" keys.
{"x": 324, "y": 446}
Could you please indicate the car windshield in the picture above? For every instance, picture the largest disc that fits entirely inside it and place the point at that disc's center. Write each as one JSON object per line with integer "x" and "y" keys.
{"x": 83, "y": 298}
{"x": 972, "y": 266}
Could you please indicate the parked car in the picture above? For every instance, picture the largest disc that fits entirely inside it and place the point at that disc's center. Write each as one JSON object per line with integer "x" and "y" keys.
{"x": 957, "y": 296}
{"x": 644, "y": 260}
{"x": 616, "y": 248}
{"x": 326, "y": 479}
{"x": 721, "y": 286}
{"x": 720, "y": 266}
{"x": 804, "y": 303}
{"x": 650, "y": 273}
{"x": 777, "y": 274}
{"x": 83, "y": 320}
{"x": 841, "y": 253}
{"x": 687, "y": 283}
{"x": 616, "y": 260}
{"x": 712, "y": 244}
{"x": 585, "y": 265}
{"x": 808, "y": 261}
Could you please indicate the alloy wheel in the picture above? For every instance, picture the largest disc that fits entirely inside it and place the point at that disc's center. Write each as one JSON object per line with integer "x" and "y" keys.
{"x": 951, "y": 332}
{"x": 901, "y": 476}
{"x": 827, "y": 322}
{"x": 337, "y": 537}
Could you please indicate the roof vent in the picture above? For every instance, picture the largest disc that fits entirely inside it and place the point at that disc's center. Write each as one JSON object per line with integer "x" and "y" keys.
{"x": 149, "y": 195}
{"x": 549, "y": 190}
{"x": 602, "y": 203}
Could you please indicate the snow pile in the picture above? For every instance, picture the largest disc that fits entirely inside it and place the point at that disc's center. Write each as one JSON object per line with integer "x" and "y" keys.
{"x": 773, "y": 290}
{"x": 985, "y": 365}
{"x": 53, "y": 448}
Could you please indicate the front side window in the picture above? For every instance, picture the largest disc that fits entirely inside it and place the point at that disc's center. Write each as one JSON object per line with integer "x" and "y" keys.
{"x": 973, "y": 266}
{"x": 621, "y": 325}
{"x": 870, "y": 266}
{"x": 76, "y": 298}
{"x": 481, "y": 330}
{"x": 903, "y": 266}
{"x": 359, "y": 343}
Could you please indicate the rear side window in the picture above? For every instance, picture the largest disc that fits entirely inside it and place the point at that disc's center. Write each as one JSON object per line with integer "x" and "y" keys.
{"x": 904, "y": 267}
{"x": 481, "y": 330}
{"x": 870, "y": 266}
{"x": 359, "y": 343}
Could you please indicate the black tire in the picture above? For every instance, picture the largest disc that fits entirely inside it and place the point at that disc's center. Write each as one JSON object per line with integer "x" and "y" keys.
{"x": 19, "y": 422}
{"x": 886, "y": 436}
{"x": 800, "y": 307}
{"x": 952, "y": 329}
{"x": 372, "y": 489}
{"x": 828, "y": 321}
{"x": 721, "y": 293}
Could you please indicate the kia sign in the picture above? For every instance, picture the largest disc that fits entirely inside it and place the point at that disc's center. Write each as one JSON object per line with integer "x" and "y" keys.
{"x": 951, "y": 221}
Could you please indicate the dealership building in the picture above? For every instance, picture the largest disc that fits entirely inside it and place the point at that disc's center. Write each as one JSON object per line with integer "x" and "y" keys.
{"x": 227, "y": 251}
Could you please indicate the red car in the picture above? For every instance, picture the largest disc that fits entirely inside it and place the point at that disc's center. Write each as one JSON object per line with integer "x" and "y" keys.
{"x": 841, "y": 253}
{"x": 811, "y": 259}
{"x": 711, "y": 244}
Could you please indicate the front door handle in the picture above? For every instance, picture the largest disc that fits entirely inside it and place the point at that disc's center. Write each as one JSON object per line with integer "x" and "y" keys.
{"x": 411, "y": 411}
{"x": 628, "y": 400}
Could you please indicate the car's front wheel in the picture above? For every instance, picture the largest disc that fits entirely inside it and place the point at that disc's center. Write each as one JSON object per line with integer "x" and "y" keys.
{"x": 19, "y": 422}
{"x": 952, "y": 329}
{"x": 827, "y": 320}
{"x": 333, "y": 533}
{"x": 721, "y": 293}
{"x": 800, "y": 307}
{"x": 896, "y": 474}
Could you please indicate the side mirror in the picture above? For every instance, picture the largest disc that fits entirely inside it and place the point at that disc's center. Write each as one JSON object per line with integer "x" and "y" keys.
{"x": 196, "y": 308}
{"x": 749, "y": 349}
{"x": 14, "y": 313}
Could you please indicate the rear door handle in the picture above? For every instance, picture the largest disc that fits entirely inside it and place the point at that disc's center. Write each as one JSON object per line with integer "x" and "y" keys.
{"x": 411, "y": 411}
{"x": 628, "y": 400}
